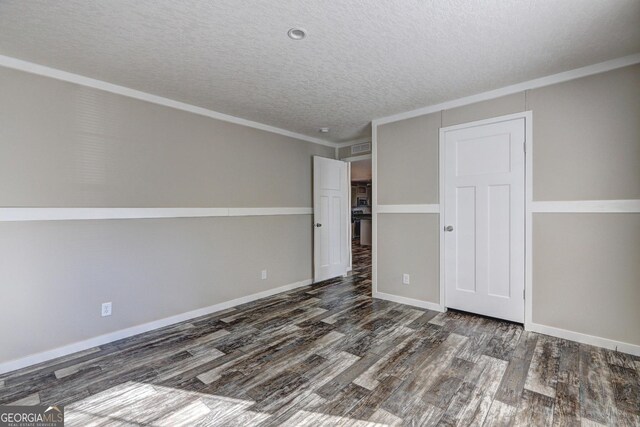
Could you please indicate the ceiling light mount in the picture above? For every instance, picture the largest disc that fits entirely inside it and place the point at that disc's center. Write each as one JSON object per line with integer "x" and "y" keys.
{"x": 297, "y": 34}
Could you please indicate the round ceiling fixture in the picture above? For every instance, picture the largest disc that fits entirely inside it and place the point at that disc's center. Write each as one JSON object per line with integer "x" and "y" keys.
{"x": 323, "y": 130}
{"x": 296, "y": 33}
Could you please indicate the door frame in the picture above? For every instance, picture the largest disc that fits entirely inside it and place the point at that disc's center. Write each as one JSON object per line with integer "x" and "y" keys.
{"x": 528, "y": 200}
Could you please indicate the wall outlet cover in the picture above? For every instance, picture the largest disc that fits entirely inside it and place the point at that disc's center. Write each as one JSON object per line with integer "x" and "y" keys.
{"x": 264, "y": 274}
{"x": 406, "y": 279}
{"x": 106, "y": 309}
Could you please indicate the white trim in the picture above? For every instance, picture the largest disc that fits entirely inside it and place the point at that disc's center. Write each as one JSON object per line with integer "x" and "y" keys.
{"x": 408, "y": 209}
{"x": 353, "y": 142}
{"x": 528, "y": 221}
{"x": 516, "y": 88}
{"x": 349, "y": 226}
{"x": 30, "y": 67}
{"x": 441, "y": 169}
{"x": 587, "y": 206}
{"x": 489, "y": 121}
{"x": 357, "y": 158}
{"x": 586, "y": 339}
{"x": 44, "y": 356}
{"x": 374, "y": 209}
{"x": 528, "y": 183}
{"x": 269, "y": 211}
{"x": 409, "y": 301}
{"x": 66, "y": 214}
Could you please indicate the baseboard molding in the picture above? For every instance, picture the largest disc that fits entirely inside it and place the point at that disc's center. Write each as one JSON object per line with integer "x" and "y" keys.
{"x": 44, "y": 356}
{"x": 584, "y": 338}
{"x": 409, "y": 301}
{"x": 74, "y": 214}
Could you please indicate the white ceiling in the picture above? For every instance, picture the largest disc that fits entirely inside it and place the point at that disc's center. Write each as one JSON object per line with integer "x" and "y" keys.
{"x": 361, "y": 60}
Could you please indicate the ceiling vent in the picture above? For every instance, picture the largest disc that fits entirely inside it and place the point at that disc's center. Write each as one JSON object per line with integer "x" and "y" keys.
{"x": 361, "y": 148}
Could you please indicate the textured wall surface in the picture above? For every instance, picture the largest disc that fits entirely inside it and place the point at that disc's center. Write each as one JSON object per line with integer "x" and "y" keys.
{"x": 587, "y": 137}
{"x": 586, "y": 274}
{"x": 408, "y": 161}
{"x": 56, "y": 274}
{"x": 62, "y": 145}
{"x": 66, "y": 145}
{"x": 408, "y": 243}
{"x": 586, "y": 146}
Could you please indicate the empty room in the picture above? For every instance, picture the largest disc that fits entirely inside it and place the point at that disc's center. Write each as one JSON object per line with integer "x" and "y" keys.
{"x": 319, "y": 213}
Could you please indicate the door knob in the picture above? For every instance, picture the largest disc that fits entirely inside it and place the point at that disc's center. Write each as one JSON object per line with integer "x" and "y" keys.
{"x": 318, "y": 224}
{"x": 448, "y": 228}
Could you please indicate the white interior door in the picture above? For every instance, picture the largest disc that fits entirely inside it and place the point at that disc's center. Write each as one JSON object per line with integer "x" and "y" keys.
{"x": 484, "y": 218}
{"x": 331, "y": 218}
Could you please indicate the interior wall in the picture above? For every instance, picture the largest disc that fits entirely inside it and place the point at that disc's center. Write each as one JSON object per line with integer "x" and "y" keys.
{"x": 361, "y": 170}
{"x": 65, "y": 145}
{"x": 586, "y": 146}
{"x": 409, "y": 243}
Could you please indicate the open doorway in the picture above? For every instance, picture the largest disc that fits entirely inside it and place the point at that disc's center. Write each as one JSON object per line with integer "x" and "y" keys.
{"x": 361, "y": 201}
{"x": 342, "y": 214}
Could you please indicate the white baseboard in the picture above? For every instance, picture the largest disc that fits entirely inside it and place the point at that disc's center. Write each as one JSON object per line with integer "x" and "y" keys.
{"x": 584, "y": 338}
{"x": 409, "y": 301}
{"x": 44, "y": 356}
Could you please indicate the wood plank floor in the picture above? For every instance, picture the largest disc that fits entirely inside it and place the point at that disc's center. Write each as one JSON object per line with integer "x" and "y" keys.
{"x": 329, "y": 354}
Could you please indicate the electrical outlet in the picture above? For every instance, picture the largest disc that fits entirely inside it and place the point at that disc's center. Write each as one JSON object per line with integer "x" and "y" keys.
{"x": 406, "y": 279}
{"x": 264, "y": 274}
{"x": 106, "y": 309}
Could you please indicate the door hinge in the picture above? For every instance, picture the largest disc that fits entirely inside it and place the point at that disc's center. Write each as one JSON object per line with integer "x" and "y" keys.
{"x": 524, "y": 294}
{"x": 524, "y": 146}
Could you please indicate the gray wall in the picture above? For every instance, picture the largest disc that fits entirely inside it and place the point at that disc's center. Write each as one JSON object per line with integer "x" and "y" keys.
{"x": 408, "y": 243}
{"x": 64, "y": 145}
{"x": 586, "y": 147}
{"x": 71, "y": 146}
{"x": 586, "y": 273}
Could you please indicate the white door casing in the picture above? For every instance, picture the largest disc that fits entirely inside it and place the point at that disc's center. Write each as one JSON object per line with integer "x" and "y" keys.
{"x": 484, "y": 208}
{"x": 331, "y": 218}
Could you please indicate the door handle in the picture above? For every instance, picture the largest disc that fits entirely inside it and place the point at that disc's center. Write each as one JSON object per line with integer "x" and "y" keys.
{"x": 448, "y": 228}
{"x": 318, "y": 224}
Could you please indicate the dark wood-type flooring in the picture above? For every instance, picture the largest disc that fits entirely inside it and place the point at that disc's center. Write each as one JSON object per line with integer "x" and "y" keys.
{"x": 329, "y": 354}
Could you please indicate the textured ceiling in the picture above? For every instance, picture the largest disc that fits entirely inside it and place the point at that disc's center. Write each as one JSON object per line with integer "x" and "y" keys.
{"x": 361, "y": 59}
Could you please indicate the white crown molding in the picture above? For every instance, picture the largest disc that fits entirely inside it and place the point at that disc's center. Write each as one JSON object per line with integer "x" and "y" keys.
{"x": 584, "y": 338}
{"x": 409, "y": 301}
{"x": 587, "y": 206}
{"x": 44, "y": 356}
{"x": 408, "y": 209}
{"x": 68, "y": 214}
{"x": 30, "y": 67}
{"x": 519, "y": 87}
